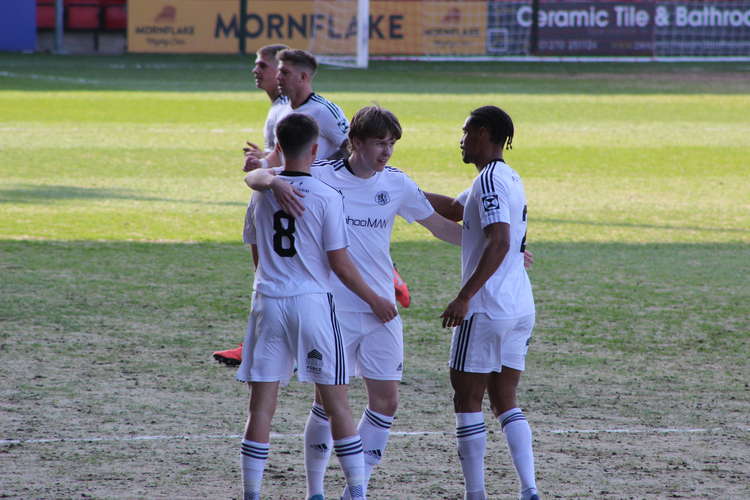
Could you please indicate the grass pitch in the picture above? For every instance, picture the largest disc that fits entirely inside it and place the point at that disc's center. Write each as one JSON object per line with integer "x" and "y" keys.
{"x": 122, "y": 270}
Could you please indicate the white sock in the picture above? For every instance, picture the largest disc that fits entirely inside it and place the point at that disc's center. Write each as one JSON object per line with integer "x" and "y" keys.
{"x": 318, "y": 444}
{"x": 518, "y": 434}
{"x": 253, "y": 458}
{"x": 471, "y": 440}
{"x": 351, "y": 458}
{"x": 374, "y": 429}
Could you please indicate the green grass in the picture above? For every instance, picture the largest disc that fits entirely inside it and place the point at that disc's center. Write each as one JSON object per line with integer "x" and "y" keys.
{"x": 122, "y": 269}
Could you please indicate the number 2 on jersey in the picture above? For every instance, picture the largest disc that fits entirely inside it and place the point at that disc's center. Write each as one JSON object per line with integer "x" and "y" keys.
{"x": 523, "y": 219}
{"x": 283, "y": 236}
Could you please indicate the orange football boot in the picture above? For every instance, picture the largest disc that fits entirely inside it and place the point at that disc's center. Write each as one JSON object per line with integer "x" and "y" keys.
{"x": 231, "y": 357}
{"x": 402, "y": 291}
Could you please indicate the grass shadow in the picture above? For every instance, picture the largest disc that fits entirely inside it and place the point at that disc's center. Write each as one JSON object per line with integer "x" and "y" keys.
{"x": 32, "y": 193}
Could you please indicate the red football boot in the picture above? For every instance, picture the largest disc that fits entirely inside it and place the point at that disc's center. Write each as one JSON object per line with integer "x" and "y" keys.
{"x": 402, "y": 291}
{"x": 231, "y": 357}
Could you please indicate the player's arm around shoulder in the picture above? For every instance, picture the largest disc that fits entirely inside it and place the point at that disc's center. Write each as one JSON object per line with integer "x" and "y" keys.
{"x": 288, "y": 196}
{"x": 442, "y": 228}
{"x": 448, "y": 207}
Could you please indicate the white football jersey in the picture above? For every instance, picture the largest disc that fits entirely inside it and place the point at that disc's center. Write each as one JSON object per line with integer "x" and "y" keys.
{"x": 279, "y": 107}
{"x": 497, "y": 195}
{"x": 333, "y": 125}
{"x": 370, "y": 207}
{"x": 292, "y": 257}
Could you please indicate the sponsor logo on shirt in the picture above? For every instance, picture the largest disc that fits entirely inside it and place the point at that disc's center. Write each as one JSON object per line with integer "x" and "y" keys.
{"x": 382, "y": 198}
{"x": 490, "y": 202}
{"x": 367, "y": 223}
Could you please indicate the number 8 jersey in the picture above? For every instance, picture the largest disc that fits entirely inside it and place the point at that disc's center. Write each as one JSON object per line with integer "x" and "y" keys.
{"x": 292, "y": 258}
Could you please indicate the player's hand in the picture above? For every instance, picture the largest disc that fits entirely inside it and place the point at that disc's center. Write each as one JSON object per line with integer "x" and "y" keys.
{"x": 253, "y": 150}
{"x": 384, "y": 309}
{"x": 251, "y": 163}
{"x": 455, "y": 313}
{"x": 528, "y": 259}
{"x": 288, "y": 197}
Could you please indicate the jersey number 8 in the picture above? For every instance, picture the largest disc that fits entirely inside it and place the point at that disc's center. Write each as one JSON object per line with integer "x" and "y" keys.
{"x": 283, "y": 234}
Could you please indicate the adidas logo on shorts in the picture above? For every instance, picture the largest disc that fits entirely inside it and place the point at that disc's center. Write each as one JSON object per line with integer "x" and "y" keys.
{"x": 314, "y": 354}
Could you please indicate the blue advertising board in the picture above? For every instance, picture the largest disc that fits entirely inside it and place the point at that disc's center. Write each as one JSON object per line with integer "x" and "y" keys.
{"x": 17, "y": 25}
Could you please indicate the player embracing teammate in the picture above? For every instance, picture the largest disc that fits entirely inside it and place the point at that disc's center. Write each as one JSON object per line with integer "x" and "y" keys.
{"x": 293, "y": 320}
{"x": 374, "y": 194}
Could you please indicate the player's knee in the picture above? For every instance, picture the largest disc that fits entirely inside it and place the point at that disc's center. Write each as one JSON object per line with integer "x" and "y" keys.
{"x": 502, "y": 401}
{"x": 467, "y": 402}
{"x": 385, "y": 404}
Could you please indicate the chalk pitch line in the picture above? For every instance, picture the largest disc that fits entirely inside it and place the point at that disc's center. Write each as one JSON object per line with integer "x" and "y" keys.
{"x": 104, "y": 439}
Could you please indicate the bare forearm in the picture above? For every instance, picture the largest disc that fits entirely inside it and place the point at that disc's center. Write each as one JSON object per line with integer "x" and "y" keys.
{"x": 443, "y": 229}
{"x": 446, "y": 206}
{"x": 259, "y": 179}
{"x": 492, "y": 256}
{"x": 273, "y": 159}
{"x": 342, "y": 265}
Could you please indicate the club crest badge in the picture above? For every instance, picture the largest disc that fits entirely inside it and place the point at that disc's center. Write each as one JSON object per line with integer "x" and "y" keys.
{"x": 382, "y": 198}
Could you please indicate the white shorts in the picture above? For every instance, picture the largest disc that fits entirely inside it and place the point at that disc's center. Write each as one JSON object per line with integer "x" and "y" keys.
{"x": 483, "y": 345}
{"x": 284, "y": 332}
{"x": 374, "y": 349}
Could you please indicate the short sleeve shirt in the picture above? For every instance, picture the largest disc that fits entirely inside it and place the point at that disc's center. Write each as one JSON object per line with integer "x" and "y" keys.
{"x": 333, "y": 125}
{"x": 497, "y": 196}
{"x": 292, "y": 251}
{"x": 278, "y": 108}
{"x": 370, "y": 207}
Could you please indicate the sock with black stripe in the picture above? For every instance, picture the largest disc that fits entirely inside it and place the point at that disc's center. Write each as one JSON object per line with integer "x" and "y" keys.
{"x": 374, "y": 429}
{"x": 253, "y": 459}
{"x": 349, "y": 452}
{"x": 318, "y": 444}
{"x": 471, "y": 440}
{"x": 518, "y": 435}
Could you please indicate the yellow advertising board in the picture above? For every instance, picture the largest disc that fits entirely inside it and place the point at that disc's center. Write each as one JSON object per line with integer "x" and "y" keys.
{"x": 396, "y": 27}
{"x": 428, "y": 27}
{"x": 323, "y": 26}
{"x": 180, "y": 26}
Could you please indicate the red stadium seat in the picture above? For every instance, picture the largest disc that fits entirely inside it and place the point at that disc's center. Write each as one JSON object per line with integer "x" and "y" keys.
{"x": 82, "y": 14}
{"x": 115, "y": 15}
{"x": 45, "y": 15}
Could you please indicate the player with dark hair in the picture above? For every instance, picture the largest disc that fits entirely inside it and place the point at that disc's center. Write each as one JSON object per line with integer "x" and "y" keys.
{"x": 374, "y": 194}
{"x": 296, "y": 70}
{"x": 293, "y": 320}
{"x": 493, "y": 313}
